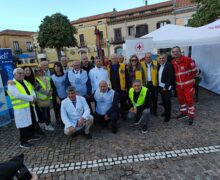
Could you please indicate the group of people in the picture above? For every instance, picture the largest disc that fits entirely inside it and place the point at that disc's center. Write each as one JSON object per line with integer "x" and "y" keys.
{"x": 87, "y": 93}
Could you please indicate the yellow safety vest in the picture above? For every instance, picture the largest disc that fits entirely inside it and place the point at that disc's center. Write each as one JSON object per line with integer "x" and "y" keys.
{"x": 154, "y": 71}
{"x": 20, "y": 103}
{"x": 41, "y": 96}
{"x": 121, "y": 70}
{"x": 141, "y": 98}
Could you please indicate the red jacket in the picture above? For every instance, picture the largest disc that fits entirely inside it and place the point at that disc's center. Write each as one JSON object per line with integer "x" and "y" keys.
{"x": 185, "y": 71}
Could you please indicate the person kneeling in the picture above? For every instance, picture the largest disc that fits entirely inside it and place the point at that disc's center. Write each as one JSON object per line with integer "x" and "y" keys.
{"x": 106, "y": 105}
{"x": 139, "y": 104}
{"x": 75, "y": 114}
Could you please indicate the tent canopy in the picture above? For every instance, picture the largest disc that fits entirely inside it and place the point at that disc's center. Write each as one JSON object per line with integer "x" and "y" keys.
{"x": 170, "y": 35}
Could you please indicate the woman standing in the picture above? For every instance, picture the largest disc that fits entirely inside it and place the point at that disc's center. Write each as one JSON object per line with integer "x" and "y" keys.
{"x": 135, "y": 71}
{"x": 59, "y": 79}
{"x": 29, "y": 77}
{"x": 44, "y": 92}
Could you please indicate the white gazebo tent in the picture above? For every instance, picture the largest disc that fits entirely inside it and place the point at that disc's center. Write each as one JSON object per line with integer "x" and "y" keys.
{"x": 205, "y": 42}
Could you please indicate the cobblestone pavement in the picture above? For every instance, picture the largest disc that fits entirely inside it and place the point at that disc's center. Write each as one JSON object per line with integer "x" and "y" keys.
{"x": 170, "y": 150}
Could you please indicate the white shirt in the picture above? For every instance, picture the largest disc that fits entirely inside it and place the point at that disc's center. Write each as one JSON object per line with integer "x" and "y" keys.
{"x": 160, "y": 75}
{"x": 70, "y": 114}
{"x": 149, "y": 72}
{"x": 96, "y": 75}
{"x": 22, "y": 116}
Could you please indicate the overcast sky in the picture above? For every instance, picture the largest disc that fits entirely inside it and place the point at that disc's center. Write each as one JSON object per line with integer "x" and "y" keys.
{"x": 28, "y": 14}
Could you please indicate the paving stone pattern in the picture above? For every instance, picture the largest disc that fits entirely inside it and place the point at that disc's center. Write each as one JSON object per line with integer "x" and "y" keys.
{"x": 170, "y": 150}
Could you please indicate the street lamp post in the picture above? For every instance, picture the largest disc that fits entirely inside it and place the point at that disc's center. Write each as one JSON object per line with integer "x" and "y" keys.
{"x": 98, "y": 44}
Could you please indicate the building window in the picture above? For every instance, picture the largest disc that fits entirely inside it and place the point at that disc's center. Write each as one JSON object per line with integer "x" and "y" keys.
{"x": 141, "y": 30}
{"x": 81, "y": 40}
{"x": 162, "y": 23}
{"x": 131, "y": 31}
{"x": 16, "y": 45}
{"x": 118, "y": 50}
{"x": 29, "y": 46}
{"x": 101, "y": 37}
{"x": 99, "y": 22}
{"x": 117, "y": 35}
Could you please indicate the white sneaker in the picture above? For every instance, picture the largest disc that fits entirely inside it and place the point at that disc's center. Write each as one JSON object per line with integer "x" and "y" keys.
{"x": 49, "y": 128}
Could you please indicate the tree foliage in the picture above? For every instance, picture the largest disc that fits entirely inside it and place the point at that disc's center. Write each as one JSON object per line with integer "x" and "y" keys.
{"x": 208, "y": 11}
{"x": 55, "y": 31}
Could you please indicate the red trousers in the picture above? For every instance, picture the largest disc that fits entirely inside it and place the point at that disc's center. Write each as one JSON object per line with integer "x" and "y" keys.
{"x": 185, "y": 97}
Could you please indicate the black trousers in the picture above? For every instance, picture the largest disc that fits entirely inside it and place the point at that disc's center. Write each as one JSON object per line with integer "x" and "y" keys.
{"x": 166, "y": 100}
{"x": 100, "y": 119}
{"x": 35, "y": 126}
{"x": 56, "y": 108}
{"x": 154, "y": 96}
{"x": 122, "y": 96}
{"x": 43, "y": 114}
{"x": 25, "y": 134}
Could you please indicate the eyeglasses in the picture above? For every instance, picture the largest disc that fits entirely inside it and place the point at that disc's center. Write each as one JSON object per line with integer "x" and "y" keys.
{"x": 133, "y": 60}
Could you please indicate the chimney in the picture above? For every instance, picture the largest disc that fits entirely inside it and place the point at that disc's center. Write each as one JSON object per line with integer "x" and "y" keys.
{"x": 146, "y": 2}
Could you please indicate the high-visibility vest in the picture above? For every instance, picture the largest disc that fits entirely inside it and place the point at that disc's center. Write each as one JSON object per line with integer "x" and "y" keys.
{"x": 41, "y": 96}
{"x": 141, "y": 98}
{"x": 20, "y": 103}
{"x": 121, "y": 70}
{"x": 154, "y": 71}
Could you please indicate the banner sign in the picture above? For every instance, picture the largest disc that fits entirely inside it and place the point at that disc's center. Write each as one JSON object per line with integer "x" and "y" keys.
{"x": 6, "y": 71}
{"x": 4, "y": 113}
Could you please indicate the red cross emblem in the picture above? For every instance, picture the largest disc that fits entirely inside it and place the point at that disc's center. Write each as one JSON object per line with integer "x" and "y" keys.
{"x": 139, "y": 46}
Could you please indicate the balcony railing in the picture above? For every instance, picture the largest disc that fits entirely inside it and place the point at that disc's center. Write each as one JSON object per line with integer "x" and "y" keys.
{"x": 118, "y": 40}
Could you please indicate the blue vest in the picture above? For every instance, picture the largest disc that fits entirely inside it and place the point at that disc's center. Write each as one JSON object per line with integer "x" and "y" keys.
{"x": 78, "y": 81}
{"x": 60, "y": 84}
{"x": 103, "y": 101}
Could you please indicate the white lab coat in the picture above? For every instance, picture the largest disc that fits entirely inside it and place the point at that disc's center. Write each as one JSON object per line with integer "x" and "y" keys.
{"x": 22, "y": 116}
{"x": 96, "y": 75}
{"x": 71, "y": 114}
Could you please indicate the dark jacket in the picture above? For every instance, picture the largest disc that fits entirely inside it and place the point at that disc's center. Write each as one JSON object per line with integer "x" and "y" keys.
{"x": 146, "y": 105}
{"x": 168, "y": 76}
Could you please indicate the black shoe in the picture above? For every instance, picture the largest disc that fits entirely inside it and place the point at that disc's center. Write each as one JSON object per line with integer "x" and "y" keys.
{"x": 144, "y": 129}
{"x": 88, "y": 136}
{"x": 26, "y": 145}
{"x": 163, "y": 114}
{"x": 166, "y": 119}
{"x": 181, "y": 116}
{"x": 190, "y": 121}
{"x": 34, "y": 138}
{"x": 114, "y": 129}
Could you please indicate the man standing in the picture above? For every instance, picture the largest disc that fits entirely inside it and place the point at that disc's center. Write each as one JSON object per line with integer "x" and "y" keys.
{"x": 97, "y": 74}
{"x": 121, "y": 59}
{"x": 166, "y": 80}
{"x": 106, "y": 105}
{"x": 64, "y": 63}
{"x": 78, "y": 79}
{"x": 23, "y": 98}
{"x": 118, "y": 76}
{"x": 151, "y": 74}
{"x": 139, "y": 104}
{"x": 75, "y": 114}
{"x": 45, "y": 67}
{"x": 185, "y": 71}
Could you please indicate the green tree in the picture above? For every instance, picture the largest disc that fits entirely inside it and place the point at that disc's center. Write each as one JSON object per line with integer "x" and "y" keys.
{"x": 55, "y": 31}
{"x": 208, "y": 11}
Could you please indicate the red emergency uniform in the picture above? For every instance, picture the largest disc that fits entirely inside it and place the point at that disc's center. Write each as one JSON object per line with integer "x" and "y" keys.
{"x": 185, "y": 71}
